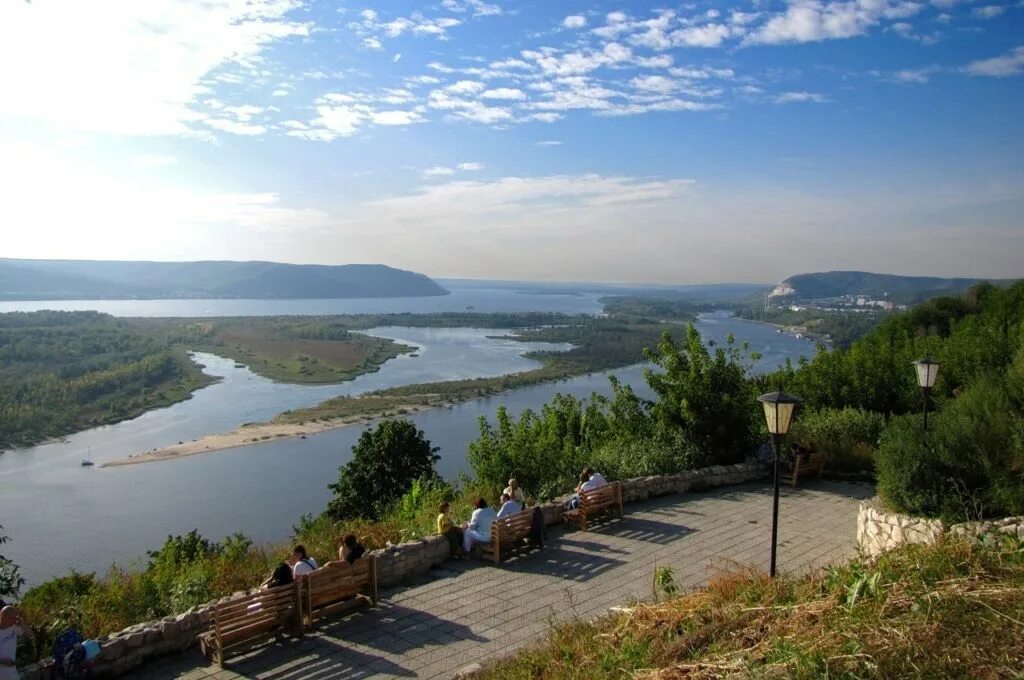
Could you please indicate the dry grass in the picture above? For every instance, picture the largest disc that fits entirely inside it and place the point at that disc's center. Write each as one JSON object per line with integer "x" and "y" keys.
{"x": 953, "y": 610}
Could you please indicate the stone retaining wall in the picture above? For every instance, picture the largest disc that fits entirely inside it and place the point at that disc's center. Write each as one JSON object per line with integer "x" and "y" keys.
{"x": 130, "y": 648}
{"x": 879, "y": 530}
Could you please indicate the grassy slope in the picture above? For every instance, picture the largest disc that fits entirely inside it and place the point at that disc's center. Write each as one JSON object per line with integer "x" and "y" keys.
{"x": 953, "y": 610}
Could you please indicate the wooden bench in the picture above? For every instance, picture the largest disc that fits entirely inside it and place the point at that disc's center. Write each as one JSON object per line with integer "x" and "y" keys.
{"x": 244, "y": 621}
{"x": 338, "y": 587}
{"x": 604, "y": 500}
{"x": 509, "y": 534}
{"x": 804, "y": 465}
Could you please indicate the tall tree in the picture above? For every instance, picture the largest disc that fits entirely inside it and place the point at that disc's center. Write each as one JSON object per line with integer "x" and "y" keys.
{"x": 385, "y": 462}
{"x": 705, "y": 395}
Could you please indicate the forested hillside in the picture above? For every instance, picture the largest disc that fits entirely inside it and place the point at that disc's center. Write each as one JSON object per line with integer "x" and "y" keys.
{"x": 907, "y": 289}
{"x": 87, "y": 279}
{"x": 65, "y": 371}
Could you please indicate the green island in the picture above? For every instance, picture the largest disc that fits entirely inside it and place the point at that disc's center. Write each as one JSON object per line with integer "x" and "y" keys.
{"x": 839, "y": 328}
{"x": 61, "y": 372}
{"x": 952, "y": 609}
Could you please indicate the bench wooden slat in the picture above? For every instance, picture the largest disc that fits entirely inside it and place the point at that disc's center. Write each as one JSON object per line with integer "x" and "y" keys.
{"x": 338, "y": 586}
{"x": 508, "y": 534}
{"x": 246, "y": 620}
{"x": 812, "y": 464}
{"x": 605, "y": 499}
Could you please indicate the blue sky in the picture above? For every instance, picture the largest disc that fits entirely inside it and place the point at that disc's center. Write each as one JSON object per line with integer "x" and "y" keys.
{"x": 549, "y": 140}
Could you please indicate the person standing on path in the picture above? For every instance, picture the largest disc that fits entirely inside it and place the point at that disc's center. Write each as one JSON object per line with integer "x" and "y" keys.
{"x": 11, "y": 626}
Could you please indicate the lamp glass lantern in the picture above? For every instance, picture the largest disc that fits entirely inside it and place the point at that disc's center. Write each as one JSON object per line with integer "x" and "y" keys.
{"x": 927, "y": 371}
{"x": 779, "y": 408}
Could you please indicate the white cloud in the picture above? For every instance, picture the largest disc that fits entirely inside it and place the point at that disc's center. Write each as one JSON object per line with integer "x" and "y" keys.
{"x": 574, "y": 21}
{"x": 800, "y": 97}
{"x": 503, "y": 93}
{"x": 137, "y": 68}
{"x": 548, "y": 142}
{"x": 913, "y": 76}
{"x": 478, "y": 7}
{"x": 710, "y": 35}
{"x": 444, "y": 171}
{"x": 341, "y": 114}
{"x": 1010, "y": 64}
{"x": 465, "y": 87}
{"x": 988, "y": 11}
{"x": 234, "y": 127}
{"x": 372, "y": 43}
{"x": 815, "y": 20}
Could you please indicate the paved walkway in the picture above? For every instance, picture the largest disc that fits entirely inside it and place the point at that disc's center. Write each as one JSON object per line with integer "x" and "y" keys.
{"x": 468, "y": 611}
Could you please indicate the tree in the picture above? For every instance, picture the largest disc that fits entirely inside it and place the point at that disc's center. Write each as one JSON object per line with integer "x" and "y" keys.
{"x": 10, "y": 575}
{"x": 385, "y": 462}
{"x": 705, "y": 396}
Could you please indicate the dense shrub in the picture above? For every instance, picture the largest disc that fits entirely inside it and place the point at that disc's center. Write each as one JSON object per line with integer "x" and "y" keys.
{"x": 385, "y": 462}
{"x": 849, "y": 436}
{"x": 970, "y": 465}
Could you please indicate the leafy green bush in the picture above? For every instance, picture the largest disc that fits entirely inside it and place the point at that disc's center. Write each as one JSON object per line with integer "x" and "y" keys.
{"x": 849, "y": 436}
{"x": 970, "y": 466}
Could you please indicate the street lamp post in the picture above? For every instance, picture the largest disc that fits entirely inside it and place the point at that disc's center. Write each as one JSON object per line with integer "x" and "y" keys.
{"x": 927, "y": 370}
{"x": 778, "y": 412}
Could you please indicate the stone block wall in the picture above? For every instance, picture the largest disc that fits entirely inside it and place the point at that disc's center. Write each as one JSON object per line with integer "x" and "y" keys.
{"x": 130, "y": 648}
{"x": 880, "y": 530}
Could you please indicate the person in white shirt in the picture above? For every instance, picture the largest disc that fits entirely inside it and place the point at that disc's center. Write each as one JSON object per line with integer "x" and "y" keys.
{"x": 589, "y": 480}
{"x": 596, "y": 477}
{"x": 301, "y": 562}
{"x": 478, "y": 530}
{"x": 508, "y": 506}
{"x": 514, "y": 491}
{"x": 11, "y": 626}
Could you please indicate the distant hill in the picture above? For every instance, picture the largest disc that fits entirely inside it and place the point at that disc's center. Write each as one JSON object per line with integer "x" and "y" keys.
{"x": 905, "y": 289}
{"x": 91, "y": 280}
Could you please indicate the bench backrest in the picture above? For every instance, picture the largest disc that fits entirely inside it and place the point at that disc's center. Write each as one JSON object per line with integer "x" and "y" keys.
{"x": 513, "y": 526}
{"x": 601, "y": 496}
{"x": 253, "y": 613}
{"x": 338, "y": 580}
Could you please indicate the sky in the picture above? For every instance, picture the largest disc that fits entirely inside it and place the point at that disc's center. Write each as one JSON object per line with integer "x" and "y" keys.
{"x": 555, "y": 140}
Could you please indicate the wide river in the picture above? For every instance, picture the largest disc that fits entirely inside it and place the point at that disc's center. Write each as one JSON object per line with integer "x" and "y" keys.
{"x": 63, "y": 516}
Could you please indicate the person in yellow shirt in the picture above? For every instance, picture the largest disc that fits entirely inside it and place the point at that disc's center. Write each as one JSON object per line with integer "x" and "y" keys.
{"x": 447, "y": 528}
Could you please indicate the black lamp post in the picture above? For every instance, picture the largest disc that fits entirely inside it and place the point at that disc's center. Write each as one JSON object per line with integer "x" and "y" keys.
{"x": 778, "y": 412}
{"x": 927, "y": 370}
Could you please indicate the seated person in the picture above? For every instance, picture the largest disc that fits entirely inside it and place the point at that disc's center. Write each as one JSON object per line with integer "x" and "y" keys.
{"x": 447, "y": 528}
{"x": 351, "y": 549}
{"x": 589, "y": 480}
{"x": 515, "y": 492}
{"x": 282, "y": 576}
{"x": 595, "y": 477}
{"x": 478, "y": 529}
{"x": 301, "y": 563}
{"x": 508, "y": 506}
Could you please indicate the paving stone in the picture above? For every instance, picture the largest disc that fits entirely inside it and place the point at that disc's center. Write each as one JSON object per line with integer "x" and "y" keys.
{"x": 470, "y": 612}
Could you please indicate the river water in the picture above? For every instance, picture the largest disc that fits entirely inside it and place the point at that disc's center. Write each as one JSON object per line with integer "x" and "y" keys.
{"x": 63, "y": 516}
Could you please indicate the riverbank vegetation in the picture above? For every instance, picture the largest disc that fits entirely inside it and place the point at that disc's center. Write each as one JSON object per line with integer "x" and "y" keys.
{"x": 943, "y": 611}
{"x": 840, "y": 328}
{"x": 65, "y": 371}
{"x": 598, "y": 344}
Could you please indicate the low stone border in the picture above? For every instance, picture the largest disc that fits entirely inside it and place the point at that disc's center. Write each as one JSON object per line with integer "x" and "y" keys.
{"x": 879, "y": 530}
{"x": 132, "y": 647}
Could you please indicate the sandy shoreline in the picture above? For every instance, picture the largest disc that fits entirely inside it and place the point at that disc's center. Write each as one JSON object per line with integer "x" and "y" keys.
{"x": 256, "y": 433}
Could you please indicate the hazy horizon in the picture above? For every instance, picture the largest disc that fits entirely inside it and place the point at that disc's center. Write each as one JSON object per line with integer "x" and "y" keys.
{"x": 632, "y": 142}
